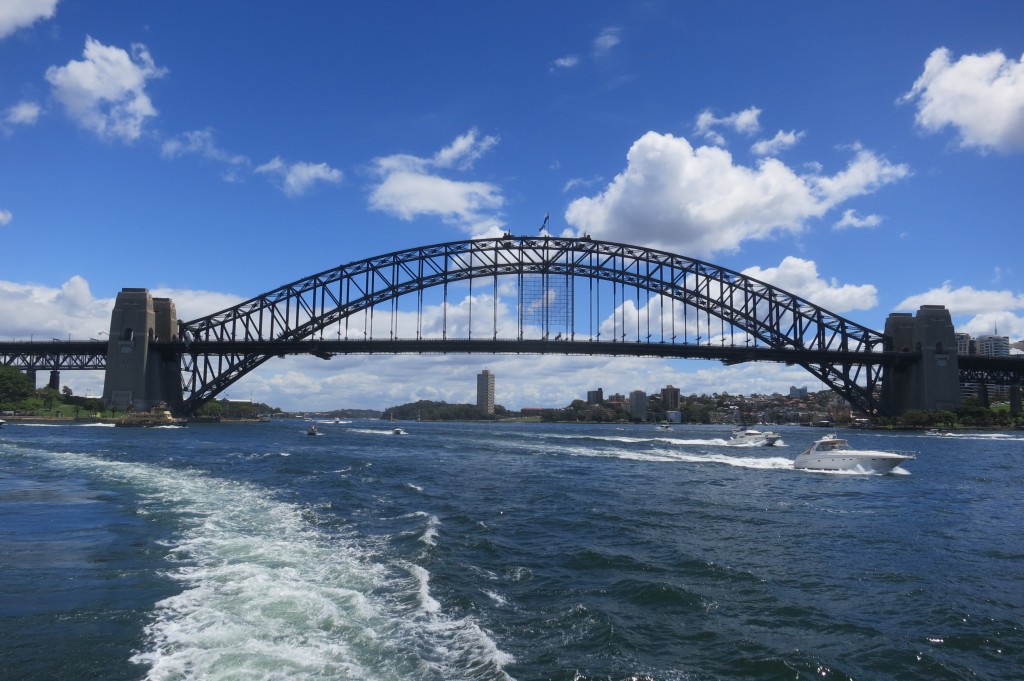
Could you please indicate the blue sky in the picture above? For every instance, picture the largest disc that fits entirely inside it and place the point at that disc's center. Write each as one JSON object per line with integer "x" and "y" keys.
{"x": 868, "y": 156}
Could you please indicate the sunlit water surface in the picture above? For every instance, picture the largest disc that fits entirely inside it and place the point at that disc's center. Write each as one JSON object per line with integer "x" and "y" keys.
{"x": 503, "y": 551}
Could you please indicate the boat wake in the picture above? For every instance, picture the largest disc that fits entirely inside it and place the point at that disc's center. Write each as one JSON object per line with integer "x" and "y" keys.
{"x": 267, "y": 593}
{"x": 996, "y": 437}
{"x": 372, "y": 431}
{"x": 672, "y": 456}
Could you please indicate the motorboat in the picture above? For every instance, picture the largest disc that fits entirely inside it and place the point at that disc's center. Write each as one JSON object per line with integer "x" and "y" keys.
{"x": 753, "y": 438}
{"x": 312, "y": 431}
{"x": 832, "y": 453}
{"x": 398, "y": 431}
{"x": 2, "y": 423}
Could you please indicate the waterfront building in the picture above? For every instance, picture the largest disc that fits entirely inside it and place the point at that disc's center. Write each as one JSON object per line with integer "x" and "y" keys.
{"x": 669, "y": 398}
{"x": 637, "y": 406}
{"x": 485, "y": 391}
{"x": 986, "y": 346}
{"x": 963, "y": 343}
{"x": 595, "y": 396}
{"x": 994, "y": 346}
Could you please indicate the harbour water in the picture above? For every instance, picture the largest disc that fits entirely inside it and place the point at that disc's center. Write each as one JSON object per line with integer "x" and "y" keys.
{"x": 503, "y": 551}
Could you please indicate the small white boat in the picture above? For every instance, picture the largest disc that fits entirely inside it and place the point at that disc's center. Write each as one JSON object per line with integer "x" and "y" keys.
{"x": 2, "y": 422}
{"x": 832, "y": 453}
{"x": 312, "y": 431}
{"x": 753, "y": 438}
{"x": 398, "y": 431}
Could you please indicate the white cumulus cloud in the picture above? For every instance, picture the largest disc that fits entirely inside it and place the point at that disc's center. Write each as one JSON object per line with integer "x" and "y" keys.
{"x": 567, "y": 62}
{"x": 782, "y": 141}
{"x": 15, "y": 14}
{"x": 5, "y": 217}
{"x": 965, "y": 300}
{"x": 975, "y": 311}
{"x": 297, "y": 178}
{"x": 800, "y": 277}
{"x": 745, "y": 122}
{"x": 22, "y": 113}
{"x": 412, "y": 186}
{"x": 981, "y": 96}
{"x": 105, "y": 92}
{"x": 851, "y": 219}
{"x": 698, "y": 201}
{"x": 28, "y": 310}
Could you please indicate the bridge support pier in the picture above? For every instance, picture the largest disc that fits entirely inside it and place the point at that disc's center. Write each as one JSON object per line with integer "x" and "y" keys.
{"x": 933, "y": 382}
{"x": 137, "y": 377}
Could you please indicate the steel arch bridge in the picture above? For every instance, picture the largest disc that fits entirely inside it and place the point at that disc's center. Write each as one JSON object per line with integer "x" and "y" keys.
{"x": 572, "y": 296}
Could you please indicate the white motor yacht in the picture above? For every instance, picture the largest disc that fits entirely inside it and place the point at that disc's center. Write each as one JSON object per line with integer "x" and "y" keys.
{"x": 832, "y": 453}
{"x": 753, "y": 438}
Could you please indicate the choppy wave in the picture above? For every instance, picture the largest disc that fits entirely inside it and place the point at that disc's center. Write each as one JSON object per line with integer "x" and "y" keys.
{"x": 266, "y": 595}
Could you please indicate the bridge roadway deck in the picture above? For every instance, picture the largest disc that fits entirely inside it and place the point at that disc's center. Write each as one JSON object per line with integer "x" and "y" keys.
{"x": 54, "y": 354}
{"x": 728, "y": 354}
{"x": 92, "y": 354}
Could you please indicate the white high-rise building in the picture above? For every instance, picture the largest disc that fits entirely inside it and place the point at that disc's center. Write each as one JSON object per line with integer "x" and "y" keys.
{"x": 993, "y": 346}
{"x": 638, "y": 405}
{"x": 485, "y": 391}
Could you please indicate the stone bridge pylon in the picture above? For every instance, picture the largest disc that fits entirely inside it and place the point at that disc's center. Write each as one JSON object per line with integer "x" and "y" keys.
{"x": 137, "y": 376}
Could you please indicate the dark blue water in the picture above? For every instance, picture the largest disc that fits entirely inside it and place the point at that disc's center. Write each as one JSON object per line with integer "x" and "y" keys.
{"x": 472, "y": 551}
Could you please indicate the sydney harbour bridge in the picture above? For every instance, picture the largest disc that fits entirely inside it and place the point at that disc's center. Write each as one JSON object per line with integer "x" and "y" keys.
{"x": 522, "y": 295}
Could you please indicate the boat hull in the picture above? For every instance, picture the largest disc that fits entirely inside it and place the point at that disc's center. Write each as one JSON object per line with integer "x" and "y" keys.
{"x": 859, "y": 462}
{"x": 754, "y": 438}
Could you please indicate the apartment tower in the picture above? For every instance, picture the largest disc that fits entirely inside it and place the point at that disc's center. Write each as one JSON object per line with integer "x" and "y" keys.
{"x": 485, "y": 391}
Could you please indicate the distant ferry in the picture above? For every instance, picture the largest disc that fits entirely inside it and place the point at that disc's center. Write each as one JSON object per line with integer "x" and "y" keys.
{"x": 150, "y": 419}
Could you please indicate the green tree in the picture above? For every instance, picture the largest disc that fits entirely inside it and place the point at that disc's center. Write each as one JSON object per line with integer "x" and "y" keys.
{"x": 211, "y": 409}
{"x": 14, "y": 385}
{"x": 49, "y": 396}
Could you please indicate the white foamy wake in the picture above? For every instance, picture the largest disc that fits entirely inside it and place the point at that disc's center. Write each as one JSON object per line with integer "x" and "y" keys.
{"x": 372, "y": 431}
{"x": 676, "y": 456}
{"x": 267, "y": 595}
{"x": 758, "y": 462}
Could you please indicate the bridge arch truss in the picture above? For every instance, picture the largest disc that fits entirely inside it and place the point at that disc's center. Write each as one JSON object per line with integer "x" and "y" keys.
{"x": 507, "y": 294}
